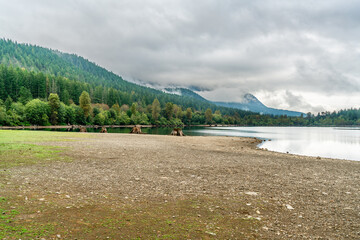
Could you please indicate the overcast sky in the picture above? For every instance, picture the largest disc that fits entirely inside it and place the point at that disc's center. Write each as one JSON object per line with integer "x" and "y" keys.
{"x": 298, "y": 55}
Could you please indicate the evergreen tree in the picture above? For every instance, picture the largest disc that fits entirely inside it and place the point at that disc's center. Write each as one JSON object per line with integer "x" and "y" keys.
{"x": 133, "y": 109}
{"x": 188, "y": 115}
{"x": 54, "y": 104}
{"x": 85, "y": 103}
{"x": 8, "y": 102}
{"x": 155, "y": 109}
{"x": 169, "y": 110}
{"x": 208, "y": 116}
{"x": 24, "y": 95}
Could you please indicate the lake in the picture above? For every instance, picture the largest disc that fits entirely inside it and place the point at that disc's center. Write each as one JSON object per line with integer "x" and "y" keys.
{"x": 331, "y": 142}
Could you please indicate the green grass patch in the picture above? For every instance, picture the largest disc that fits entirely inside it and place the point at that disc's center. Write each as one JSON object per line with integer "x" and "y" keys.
{"x": 11, "y": 228}
{"x": 12, "y": 154}
{"x": 31, "y": 136}
{"x": 19, "y": 148}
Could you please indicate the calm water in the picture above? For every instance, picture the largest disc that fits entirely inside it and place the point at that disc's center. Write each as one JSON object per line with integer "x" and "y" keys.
{"x": 332, "y": 142}
{"x": 342, "y": 143}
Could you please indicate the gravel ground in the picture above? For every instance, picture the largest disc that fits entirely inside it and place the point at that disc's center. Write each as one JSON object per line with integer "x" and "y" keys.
{"x": 296, "y": 197}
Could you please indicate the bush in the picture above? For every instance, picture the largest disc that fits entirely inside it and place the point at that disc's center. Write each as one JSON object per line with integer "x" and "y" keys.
{"x": 123, "y": 119}
{"x": 37, "y": 112}
{"x": 99, "y": 119}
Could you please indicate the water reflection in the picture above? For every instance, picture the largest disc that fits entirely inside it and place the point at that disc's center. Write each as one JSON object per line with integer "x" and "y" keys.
{"x": 342, "y": 143}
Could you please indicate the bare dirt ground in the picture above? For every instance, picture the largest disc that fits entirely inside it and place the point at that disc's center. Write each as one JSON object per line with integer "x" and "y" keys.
{"x": 227, "y": 185}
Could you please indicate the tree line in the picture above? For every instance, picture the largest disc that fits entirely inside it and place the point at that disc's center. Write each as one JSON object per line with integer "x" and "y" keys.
{"x": 44, "y": 71}
{"x": 29, "y": 111}
{"x": 42, "y": 86}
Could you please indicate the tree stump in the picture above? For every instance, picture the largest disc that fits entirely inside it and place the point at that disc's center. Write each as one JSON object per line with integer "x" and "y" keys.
{"x": 83, "y": 129}
{"x": 136, "y": 130}
{"x": 103, "y": 130}
{"x": 177, "y": 132}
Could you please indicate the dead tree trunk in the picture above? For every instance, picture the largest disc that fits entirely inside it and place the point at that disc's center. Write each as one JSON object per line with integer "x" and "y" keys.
{"x": 136, "y": 130}
{"x": 177, "y": 132}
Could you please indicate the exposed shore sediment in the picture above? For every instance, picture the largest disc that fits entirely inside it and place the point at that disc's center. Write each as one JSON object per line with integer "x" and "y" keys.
{"x": 285, "y": 196}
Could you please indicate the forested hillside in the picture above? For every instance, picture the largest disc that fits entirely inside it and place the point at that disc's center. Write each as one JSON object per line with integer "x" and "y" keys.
{"x": 31, "y": 72}
{"x": 42, "y": 86}
{"x": 68, "y": 75}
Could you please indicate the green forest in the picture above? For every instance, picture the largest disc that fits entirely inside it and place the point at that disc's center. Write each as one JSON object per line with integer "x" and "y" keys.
{"x": 40, "y": 86}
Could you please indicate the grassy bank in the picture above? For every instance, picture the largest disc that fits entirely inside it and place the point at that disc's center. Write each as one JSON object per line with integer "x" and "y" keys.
{"x": 25, "y": 148}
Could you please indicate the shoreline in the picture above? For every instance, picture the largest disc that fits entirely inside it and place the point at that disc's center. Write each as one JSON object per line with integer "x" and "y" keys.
{"x": 33, "y": 127}
{"x": 71, "y": 127}
{"x": 186, "y": 186}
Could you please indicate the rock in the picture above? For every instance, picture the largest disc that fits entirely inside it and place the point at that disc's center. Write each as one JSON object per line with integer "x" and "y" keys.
{"x": 289, "y": 207}
{"x": 211, "y": 233}
{"x": 251, "y": 193}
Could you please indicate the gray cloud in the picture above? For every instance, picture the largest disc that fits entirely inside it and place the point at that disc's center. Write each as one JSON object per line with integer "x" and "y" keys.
{"x": 225, "y": 47}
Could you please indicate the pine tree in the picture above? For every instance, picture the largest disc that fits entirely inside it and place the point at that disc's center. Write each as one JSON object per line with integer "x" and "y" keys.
{"x": 24, "y": 95}
{"x": 85, "y": 103}
{"x": 169, "y": 110}
{"x": 54, "y": 103}
{"x": 155, "y": 109}
{"x": 188, "y": 114}
{"x": 208, "y": 115}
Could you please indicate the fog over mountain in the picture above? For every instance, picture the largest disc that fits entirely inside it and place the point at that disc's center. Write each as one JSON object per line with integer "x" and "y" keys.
{"x": 296, "y": 55}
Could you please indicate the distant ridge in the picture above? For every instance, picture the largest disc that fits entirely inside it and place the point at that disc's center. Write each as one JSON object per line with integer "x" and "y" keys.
{"x": 105, "y": 86}
{"x": 249, "y": 103}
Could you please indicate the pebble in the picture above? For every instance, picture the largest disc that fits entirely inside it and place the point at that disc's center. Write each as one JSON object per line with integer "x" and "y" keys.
{"x": 289, "y": 207}
{"x": 211, "y": 233}
{"x": 251, "y": 193}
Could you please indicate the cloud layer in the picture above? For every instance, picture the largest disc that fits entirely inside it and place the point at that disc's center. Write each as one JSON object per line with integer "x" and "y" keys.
{"x": 299, "y": 55}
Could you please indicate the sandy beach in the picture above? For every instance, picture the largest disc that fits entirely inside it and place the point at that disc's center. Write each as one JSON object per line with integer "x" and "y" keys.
{"x": 229, "y": 187}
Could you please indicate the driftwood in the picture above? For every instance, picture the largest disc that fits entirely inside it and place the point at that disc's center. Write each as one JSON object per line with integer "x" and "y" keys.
{"x": 136, "y": 130}
{"x": 177, "y": 132}
{"x": 103, "y": 130}
{"x": 83, "y": 129}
